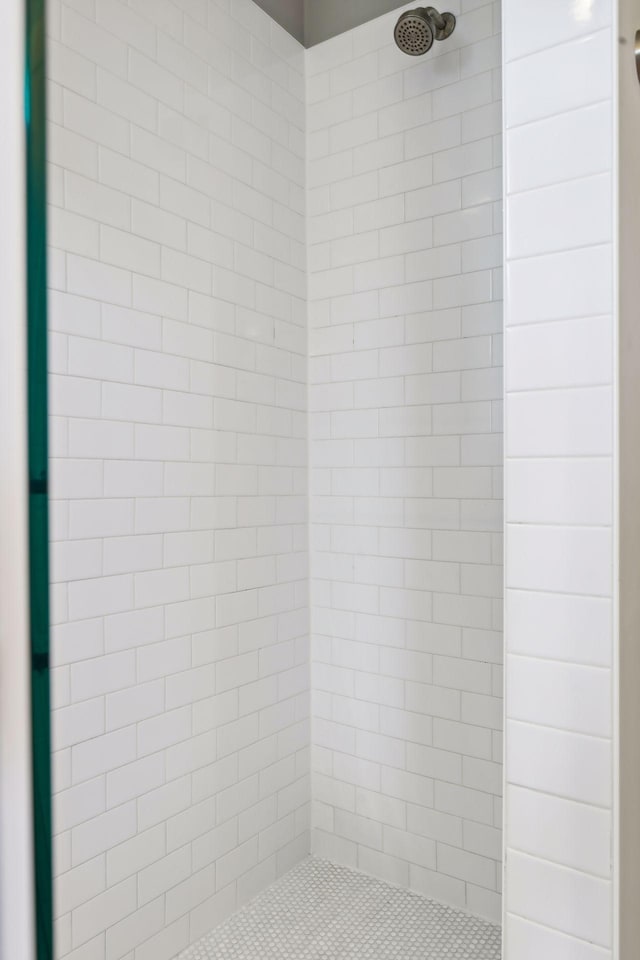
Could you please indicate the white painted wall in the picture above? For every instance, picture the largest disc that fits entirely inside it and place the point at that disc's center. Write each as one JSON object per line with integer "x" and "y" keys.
{"x": 560, "y": 324}
{"x": 405, "y": 254}
{"x": 628, "y": 840}
{"x": 178, "y": 438}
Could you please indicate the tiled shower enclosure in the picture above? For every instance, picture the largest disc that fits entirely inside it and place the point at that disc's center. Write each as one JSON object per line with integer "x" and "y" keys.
{"x": 275, "y": 392}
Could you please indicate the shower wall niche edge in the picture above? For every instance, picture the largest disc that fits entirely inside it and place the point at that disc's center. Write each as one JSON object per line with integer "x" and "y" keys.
{"x": 561, "y": 480}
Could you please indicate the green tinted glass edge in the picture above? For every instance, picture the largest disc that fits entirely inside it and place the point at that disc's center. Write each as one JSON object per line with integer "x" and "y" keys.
{"x": 35, "y": 120}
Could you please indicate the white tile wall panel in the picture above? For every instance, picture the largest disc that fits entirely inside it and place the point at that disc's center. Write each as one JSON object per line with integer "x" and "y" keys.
{"x": 405, "y": 561}
{"x": 178, "y": 444}
{"x": 560, "y": 480}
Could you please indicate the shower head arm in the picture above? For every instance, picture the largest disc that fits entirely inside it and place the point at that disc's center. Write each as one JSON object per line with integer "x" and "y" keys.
{"x": 435, "y": 16}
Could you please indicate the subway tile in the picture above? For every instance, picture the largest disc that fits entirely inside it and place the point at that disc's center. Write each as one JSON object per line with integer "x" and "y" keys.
{"x": 576, "y": 213}
{"x": 132, "y": 930}
{"x": 582, "y": 148}
{"x": 567, "y": 491}
{"x": 556, "y": 626}
{"x": 543, "y": 343}
{"x": 99, "y": 281}
{"x": 553, "y": 896}
{"x": 104, "y": 910}
{"x": 531, "y": 92}
{"x": 69, "y": 231}
{"x": 462, "y": 95}
{"x": 577, "y": 559}
{"x": 96, "y": 123}
{"x": 530, "y": 938}
{"x": 560, "y": 831}
{"x": 578, "y": 696}
{"x": 565, "y": 764}
{"x": 71, "y": 69}
{"x": 557, "y": 423}
{"x": 527, "y": 35}
{"x": 563, "y": 285}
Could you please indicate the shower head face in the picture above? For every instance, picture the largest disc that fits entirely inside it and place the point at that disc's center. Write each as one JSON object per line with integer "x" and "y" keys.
{"x": 417, "y": 29}
{"x": 414, "y": 33}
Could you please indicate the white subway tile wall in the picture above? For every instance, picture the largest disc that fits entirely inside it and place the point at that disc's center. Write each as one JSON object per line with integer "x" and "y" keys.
{"x": 405, "y": 290}
{"x": 560, "y": 477}
{"x": 179, "y": 467}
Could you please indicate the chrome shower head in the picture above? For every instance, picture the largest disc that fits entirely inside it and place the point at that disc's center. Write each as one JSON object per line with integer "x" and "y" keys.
{"x": 417, "y": 29}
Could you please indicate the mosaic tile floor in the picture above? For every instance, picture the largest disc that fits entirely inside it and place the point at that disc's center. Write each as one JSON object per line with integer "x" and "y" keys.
{"x": 320, "y": 911}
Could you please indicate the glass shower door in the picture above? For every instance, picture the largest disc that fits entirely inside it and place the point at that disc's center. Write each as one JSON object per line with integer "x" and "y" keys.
{"x": 38, "y": 532}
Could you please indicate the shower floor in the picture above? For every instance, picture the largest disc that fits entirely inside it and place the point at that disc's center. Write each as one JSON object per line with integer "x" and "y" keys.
{"x": 321, "y": 911}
